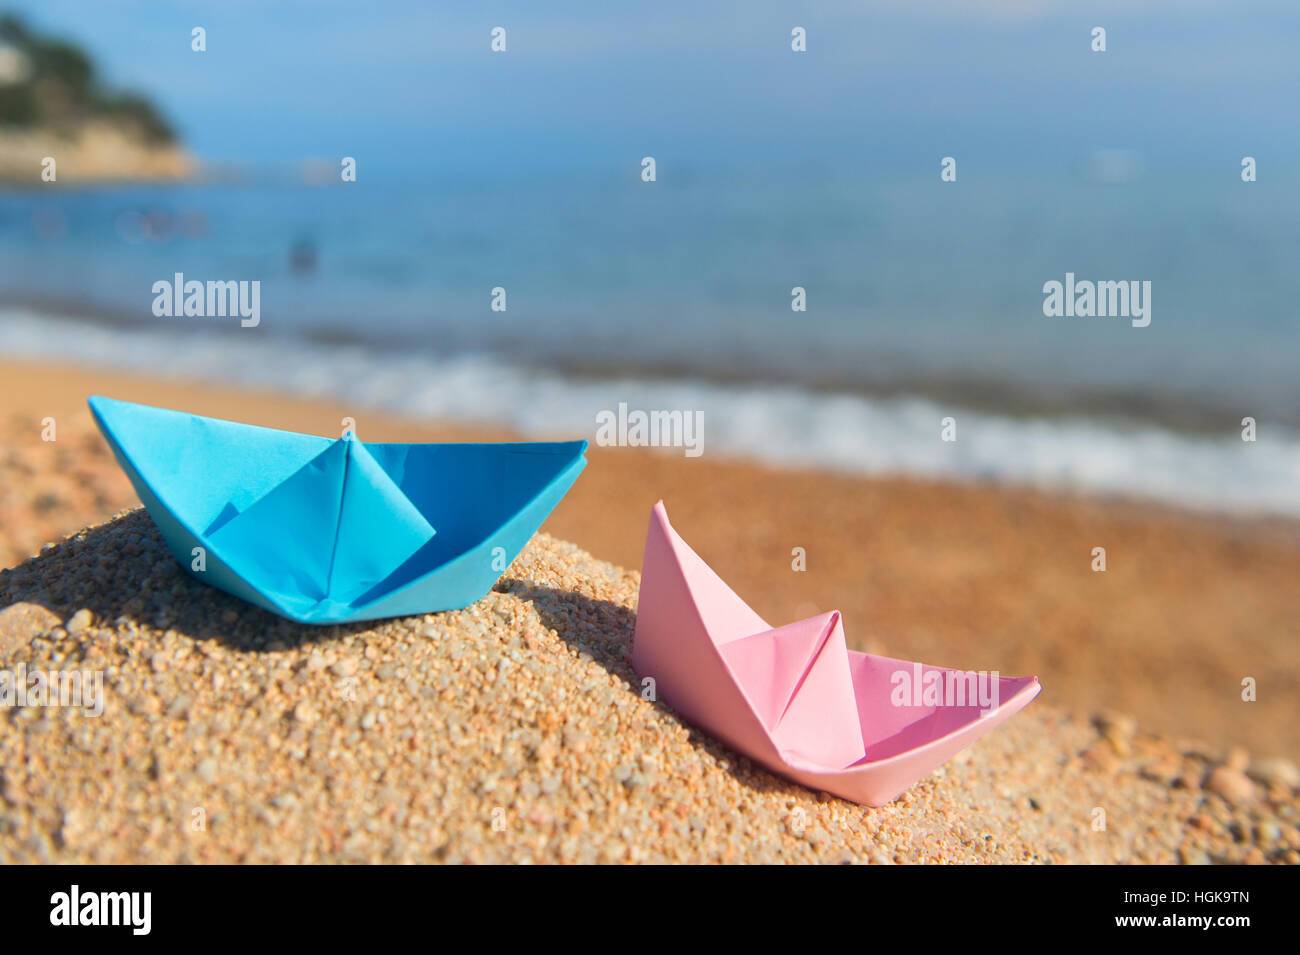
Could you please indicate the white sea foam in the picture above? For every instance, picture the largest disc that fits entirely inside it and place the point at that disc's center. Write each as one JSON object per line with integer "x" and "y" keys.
{"x": 775, "y": 425}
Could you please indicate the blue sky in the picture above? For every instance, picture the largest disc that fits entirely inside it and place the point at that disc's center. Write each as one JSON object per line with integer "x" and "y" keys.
{"x": 412, "y": 86}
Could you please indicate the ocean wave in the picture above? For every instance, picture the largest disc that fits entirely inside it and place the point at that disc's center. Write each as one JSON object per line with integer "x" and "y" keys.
{"x": 782, "y": 425}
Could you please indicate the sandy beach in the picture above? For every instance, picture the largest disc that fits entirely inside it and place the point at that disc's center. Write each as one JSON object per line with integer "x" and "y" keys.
{"x": 512, "y": 731}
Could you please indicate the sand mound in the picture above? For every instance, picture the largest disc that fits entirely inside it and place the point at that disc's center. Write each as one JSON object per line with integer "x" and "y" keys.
{"x": 511, "y": 731}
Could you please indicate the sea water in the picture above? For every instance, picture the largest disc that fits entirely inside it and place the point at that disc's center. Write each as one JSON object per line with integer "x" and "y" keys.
{"x": 922, "y": 301}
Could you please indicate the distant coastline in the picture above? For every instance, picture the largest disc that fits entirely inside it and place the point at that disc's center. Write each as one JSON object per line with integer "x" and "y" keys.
{"x": 97, "y": 153}
{"x": 59, "y": 124}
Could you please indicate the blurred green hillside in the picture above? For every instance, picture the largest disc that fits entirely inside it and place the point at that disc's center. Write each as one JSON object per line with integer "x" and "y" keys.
{"x": 50, "y": 84}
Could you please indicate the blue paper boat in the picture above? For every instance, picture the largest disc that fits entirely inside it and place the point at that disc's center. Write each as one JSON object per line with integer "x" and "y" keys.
{"x": 331, "y": 531}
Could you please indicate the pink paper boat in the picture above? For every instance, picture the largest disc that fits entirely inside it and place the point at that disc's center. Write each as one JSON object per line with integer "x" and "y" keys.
{"x": 795, "y": 698}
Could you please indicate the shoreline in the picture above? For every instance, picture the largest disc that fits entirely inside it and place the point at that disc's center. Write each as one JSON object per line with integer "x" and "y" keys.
{"x": 778, "y": 427}
{"x": 1179, "y": 412}
{"x": 978, "y": 577}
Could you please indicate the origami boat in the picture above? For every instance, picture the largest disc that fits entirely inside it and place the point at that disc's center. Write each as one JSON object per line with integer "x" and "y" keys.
{"x": 795, "y": 698}
{"x": 329, "y": 531}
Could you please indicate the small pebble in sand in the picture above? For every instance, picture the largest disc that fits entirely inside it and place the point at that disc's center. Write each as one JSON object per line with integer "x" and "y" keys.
{"x": 1232, "y": 784}
{"x": 1276, "y": 772}
{"x": 22, "y": 622}
{"x": 1118, "y": 730}
{"x": 82, "y": 619}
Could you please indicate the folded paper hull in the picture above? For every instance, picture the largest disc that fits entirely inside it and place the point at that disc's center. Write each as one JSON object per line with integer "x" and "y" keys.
{"x": 331, "y": 531}
{"x": 794, "y": 698}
